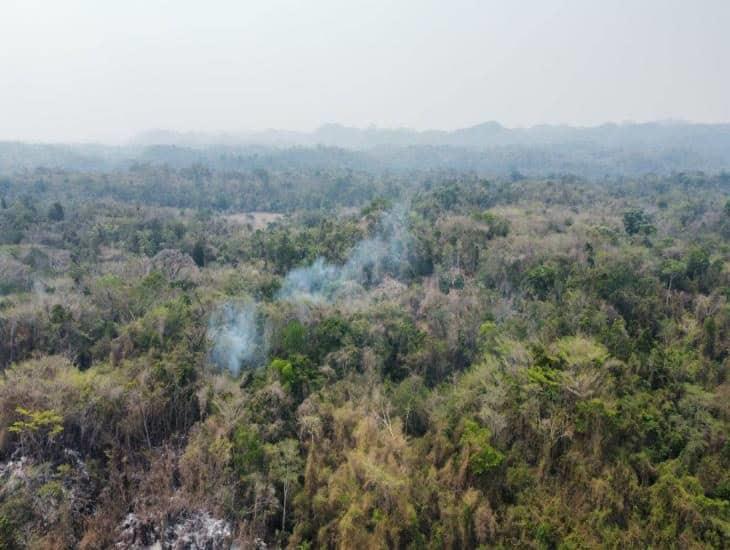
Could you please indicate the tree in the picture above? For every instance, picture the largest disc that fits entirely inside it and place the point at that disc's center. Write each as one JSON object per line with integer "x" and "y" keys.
{"x": 638, "y": 221}
{"x": 285, "y": 466}
{"x": 293, "y": 338}
{"x": 673, "y": 273}
{"x": 55, "y": 212}
{"x": 247, "y": 450}
{"x": 37, "y": 429}
{"x": 482, "y": 456}
{"x": 541, "y": 279}
{"x": 698, "y": 262}
{"x": 590, "y": 254}
{"x": 198, "y": 254}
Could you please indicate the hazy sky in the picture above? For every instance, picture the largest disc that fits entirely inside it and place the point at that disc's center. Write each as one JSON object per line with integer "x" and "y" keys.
{"x": 105, "y": 69}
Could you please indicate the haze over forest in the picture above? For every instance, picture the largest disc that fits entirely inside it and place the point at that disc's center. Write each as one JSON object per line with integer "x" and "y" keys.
{"x": 417, "y": 327}
{"x": 83, "y": 71}
{"x": 488, "y": 149}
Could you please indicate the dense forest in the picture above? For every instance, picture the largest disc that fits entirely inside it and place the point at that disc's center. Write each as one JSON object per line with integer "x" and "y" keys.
{"x": 281, "y": 351}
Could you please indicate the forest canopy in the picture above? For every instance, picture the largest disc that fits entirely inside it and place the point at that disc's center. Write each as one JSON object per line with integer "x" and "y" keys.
{"x": 335, "y": 354}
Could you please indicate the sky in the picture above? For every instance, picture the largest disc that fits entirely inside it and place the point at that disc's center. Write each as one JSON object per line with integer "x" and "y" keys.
{"x": 105, "y": 70}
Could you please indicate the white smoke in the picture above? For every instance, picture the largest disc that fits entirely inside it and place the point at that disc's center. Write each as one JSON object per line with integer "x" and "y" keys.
{"x": 369, "y": 261}
{"x": 237, "y": 335}
{"x": 237, "y": 339}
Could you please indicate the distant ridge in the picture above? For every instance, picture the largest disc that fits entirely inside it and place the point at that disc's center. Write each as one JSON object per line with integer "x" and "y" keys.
{"x": 710, "y": 137}
{"x": 489, "y": 149}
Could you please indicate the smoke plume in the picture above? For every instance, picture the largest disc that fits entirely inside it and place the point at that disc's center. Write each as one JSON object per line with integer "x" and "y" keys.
{"x": 369, "y": 261}
{"x": 235, "y": 329}
{"x": 238, "y": 340}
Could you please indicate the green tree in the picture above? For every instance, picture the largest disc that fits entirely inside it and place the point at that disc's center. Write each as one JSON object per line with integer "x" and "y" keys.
{"x": 284, "y": 466}
{"x": 198, "y": 253}
{"x": 638, "y": 221}
{"x": 541, "y": 279}
{"x": 37, "y": 429}
{"x": 294, "y": 337}
{"x": 698, "y": 262}
{"x": 55, "y": 212}
{"x": 483, "y": 458}
{"x": 247, "y": 453}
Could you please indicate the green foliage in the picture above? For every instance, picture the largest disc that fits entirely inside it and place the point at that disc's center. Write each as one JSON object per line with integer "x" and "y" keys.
{"x": 577, "y": 351}
{"x": 297, "y": 374}
{"x": 522, "y": 375}
{"x": 47, "y": 422}
{"x": 55, "y": 212}
{"x": 698, "y": 262}
{"x": 498, "y": 226}
{"x": 8, "y": 535}
{"x": 37, "y": 430}
{"x": 673, "y": 273}
{"x": 328, "y": 336}
{"x": 293, "y": 339}
{"x": 483, "y": 458}
{"x": 198, "y": 253}
{"x": 638, "y": 222}
{"x": 594, "y": 414}
{"x": 680, "y": 510}
{"x": 285, "y": 467}
{"x": 248, "y": 451}
{"x": 285, "y": 370}
{"x": 541, "y": 280}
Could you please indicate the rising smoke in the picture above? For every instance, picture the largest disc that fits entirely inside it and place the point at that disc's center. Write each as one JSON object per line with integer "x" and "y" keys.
{"x": 238, "y": 340}
{"x": 237, "y": 332}
{"x": 369, "y": 261}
